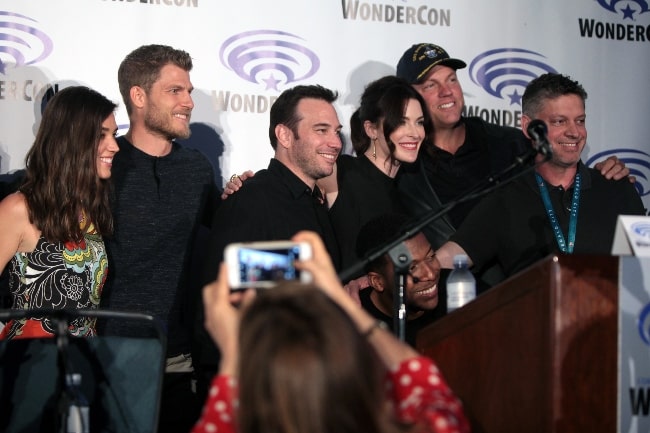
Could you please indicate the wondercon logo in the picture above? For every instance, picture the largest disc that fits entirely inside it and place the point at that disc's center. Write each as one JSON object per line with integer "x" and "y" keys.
{"x": 505, "y": 72}
{"x": 21, "y": 42}
{"x": 644, "y": 324}
{"x": 636, "y": 160}
{"x": 626, "y": 7}
{"x": 271, "y": 58}
{"x": 641, "y": 229}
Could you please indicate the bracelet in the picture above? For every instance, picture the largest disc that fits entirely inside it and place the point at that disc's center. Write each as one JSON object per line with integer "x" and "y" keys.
{"x": 377, "y": 325}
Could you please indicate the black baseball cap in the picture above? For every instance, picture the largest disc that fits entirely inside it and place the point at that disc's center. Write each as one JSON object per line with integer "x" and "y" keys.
{"x": 418, "y": 60}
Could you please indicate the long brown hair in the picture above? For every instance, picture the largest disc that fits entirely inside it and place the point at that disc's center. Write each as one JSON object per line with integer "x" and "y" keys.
{"x": 61, "y": 179}
{"x": 304, "y": 368}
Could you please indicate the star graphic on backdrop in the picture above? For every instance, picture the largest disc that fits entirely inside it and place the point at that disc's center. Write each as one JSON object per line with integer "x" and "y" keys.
{"x": 271, "y": 82}
{"x": 515, "y": 98}
{"x": 628, "y": 12}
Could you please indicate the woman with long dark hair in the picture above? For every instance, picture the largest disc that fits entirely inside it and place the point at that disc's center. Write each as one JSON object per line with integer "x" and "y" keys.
{"x": 52, "y": 229}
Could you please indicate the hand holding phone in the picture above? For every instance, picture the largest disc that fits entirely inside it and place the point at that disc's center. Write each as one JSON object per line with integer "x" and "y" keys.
{"x": 264, "y": 264}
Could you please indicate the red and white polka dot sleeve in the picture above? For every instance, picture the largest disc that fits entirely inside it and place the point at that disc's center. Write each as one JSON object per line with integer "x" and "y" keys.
{"x": 218, "y": 411}
{"x": 421, "y": 396}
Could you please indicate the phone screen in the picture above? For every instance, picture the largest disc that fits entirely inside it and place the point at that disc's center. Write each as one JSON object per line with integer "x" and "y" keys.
{"x": 260, "y": 265}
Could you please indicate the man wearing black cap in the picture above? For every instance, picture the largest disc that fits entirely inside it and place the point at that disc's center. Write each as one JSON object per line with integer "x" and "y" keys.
{"x": 464, "y": 151}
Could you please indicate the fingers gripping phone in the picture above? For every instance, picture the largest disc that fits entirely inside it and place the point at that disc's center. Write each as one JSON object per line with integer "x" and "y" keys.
{"x": 264, "y": 264}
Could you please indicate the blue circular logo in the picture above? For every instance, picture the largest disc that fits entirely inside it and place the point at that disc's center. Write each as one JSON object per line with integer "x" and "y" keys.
{"x": 644, "y": 325}
{"x": 271, "y": 58}
{"x": 21, "y": 43}
{"x": 505, "y": 72}
{"x": 626, "y": 7}
{"x": 636, "y": 160}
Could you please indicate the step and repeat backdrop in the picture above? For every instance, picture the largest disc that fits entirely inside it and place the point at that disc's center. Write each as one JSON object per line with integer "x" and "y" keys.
{"x": 247, "y": 51}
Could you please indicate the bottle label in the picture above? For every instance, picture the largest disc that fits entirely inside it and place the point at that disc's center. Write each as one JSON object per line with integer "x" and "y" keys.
{"x": 459, "y": 294}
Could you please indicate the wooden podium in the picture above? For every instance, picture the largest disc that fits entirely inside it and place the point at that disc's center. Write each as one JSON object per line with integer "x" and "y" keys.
{"x": 537, "y": 353}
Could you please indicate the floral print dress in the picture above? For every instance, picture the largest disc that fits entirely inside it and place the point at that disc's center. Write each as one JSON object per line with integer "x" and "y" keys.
{"x": 57, "y": 275}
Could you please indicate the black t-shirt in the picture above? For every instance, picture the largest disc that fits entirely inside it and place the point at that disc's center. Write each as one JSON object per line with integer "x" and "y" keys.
{"x": 412, "y": 327}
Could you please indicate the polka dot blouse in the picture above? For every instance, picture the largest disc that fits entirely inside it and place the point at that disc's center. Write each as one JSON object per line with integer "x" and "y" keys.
{"x": 419, "y": 394}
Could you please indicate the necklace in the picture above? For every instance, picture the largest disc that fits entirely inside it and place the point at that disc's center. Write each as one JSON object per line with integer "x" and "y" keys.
{"x": 565, "y": 246}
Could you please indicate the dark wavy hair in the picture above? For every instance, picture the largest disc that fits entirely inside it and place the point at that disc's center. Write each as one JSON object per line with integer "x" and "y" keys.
{"x": 283, "y": 110}
{"x": 549, "y": 86}
{"x": 304, "y": 367}
{"x": 384, "y": 101}
{"x": 141, "y": 67}
{"x": 61, "y": 179}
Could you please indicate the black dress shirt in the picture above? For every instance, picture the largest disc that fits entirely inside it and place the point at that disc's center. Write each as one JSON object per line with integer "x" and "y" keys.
{"x": 272, "y": 205}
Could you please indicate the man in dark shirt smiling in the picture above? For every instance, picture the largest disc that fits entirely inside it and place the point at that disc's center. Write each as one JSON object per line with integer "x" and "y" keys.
{"x": 283, "y": 199}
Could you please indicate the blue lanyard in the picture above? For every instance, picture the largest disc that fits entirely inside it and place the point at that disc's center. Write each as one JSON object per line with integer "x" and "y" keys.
{"x": 573, "y": 221}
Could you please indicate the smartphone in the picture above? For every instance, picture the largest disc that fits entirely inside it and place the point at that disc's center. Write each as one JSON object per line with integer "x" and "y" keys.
{"x": 264, "y": 264}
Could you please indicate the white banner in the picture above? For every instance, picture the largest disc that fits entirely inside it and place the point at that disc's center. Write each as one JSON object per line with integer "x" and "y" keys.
{"x": 247, "y": 51}
{"x": 634, "y": 337}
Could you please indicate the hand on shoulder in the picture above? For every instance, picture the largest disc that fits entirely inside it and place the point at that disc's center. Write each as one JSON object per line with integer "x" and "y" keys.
{"x": 235, "y": 182}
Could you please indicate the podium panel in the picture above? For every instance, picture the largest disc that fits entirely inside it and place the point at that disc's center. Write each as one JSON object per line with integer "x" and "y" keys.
{"x": 537, "y": 353}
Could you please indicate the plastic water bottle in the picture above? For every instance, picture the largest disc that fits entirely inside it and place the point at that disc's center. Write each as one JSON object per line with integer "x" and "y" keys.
{"x": 461, "y": 284}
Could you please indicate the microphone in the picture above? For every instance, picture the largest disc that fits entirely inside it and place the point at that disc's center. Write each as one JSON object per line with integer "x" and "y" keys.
{"x": 537, "y": 131}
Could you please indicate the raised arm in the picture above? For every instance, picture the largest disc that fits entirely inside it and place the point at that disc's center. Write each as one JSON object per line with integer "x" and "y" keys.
{"x": 391, "y": 350}
{"x": 419, "y": 392}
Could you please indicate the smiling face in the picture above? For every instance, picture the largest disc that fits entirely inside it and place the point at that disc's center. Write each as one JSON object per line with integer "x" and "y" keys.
{"x": 422, "y": 283}
{"x": 565, "y": 119}
{"x": 444, "y": 96}
{"x": 313, "y": 149}
{"x": 423, "y": 294}
{"x": 107, "y": 147}
{"x": 407, "y": 137}
{"x": 169, "y": 104}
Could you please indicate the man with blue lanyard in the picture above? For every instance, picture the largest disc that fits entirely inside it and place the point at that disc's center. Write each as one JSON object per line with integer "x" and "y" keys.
{"x": 561, "y": 206}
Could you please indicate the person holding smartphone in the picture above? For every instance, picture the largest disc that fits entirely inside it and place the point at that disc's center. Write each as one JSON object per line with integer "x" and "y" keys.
{"x": 302, "y": 357}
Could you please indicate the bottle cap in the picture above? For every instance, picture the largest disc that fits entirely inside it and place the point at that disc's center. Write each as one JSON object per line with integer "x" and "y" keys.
{"x": 460, "y": 259}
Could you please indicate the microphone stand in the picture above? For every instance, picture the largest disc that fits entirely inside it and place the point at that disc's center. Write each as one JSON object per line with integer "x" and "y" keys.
{"x": 69, "y": 391}
{"x": 401, "y": 258}
{"x": 71, "y": 400}
{"x": 398, "y": 252}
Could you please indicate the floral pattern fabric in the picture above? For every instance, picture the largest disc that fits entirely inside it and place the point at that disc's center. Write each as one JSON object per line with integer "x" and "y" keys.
{"x": 60, "y": 275}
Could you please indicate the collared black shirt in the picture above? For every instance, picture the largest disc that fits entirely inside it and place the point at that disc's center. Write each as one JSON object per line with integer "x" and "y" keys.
{"x": 273, "y": 205}
{"x": 512, "y": 225}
